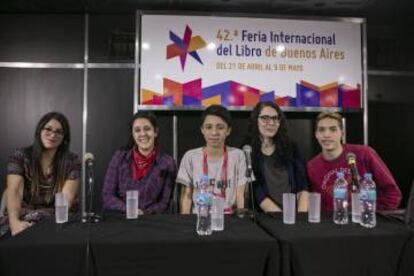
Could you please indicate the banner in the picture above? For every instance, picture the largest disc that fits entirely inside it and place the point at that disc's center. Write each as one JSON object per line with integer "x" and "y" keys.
{"x": 196, "y": 61}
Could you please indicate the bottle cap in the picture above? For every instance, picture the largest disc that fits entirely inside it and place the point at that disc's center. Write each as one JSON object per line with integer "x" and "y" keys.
{"x": 368, "y": 176}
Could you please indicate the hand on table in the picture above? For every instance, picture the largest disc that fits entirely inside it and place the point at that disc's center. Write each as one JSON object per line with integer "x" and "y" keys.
{"x": 18, "y": 226}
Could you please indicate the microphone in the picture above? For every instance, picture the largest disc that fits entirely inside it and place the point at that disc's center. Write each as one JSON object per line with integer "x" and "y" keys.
{"x": 351, "y": 160}
{"x": 247, "y": 149}
{"x": 88, "y": 158}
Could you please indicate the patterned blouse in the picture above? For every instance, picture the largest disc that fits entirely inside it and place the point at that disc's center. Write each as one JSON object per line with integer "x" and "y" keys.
{"x": 20, "y": 163}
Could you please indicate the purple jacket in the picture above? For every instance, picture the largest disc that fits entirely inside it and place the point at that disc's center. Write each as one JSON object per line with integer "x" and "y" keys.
{"x": 154, "y": 189}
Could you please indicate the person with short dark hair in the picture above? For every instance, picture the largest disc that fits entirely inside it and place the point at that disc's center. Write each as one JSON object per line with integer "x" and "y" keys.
{"x": 141, "y": 165}
{"x": 225, "y": 166}
{"x": 277, "y": 164}
{"x": 36, "y": 173}
{"x": 322, "y": 168}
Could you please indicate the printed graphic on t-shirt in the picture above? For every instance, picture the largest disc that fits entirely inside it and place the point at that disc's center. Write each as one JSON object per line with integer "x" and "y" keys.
{"x": 330, "y": 177}
{"x": 218, "y": 188}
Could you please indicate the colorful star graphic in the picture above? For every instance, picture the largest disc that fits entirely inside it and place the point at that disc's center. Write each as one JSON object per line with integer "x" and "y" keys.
{"x": 187, "y": 45}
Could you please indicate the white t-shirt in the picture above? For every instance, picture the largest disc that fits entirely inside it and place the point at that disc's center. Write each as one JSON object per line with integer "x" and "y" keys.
{"x": 191, "y": 171}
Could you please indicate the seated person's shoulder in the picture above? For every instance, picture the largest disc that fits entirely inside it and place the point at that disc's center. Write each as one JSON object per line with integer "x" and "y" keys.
{"x": 121, "y": 154}
{"x": 18, "y": 161}
{"x": 166, "y": 159}
{"x": 235, "y": 151}
{"x": 315, "y": 160}
{"x": 20, "y": 153}
{"x": 193, "y": 153}
{"x": 73, "y": 157}
{"x": 361, "y": 150}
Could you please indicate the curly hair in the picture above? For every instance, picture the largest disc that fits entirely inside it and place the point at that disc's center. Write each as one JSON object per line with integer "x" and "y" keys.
{"x": 281, "y": 140}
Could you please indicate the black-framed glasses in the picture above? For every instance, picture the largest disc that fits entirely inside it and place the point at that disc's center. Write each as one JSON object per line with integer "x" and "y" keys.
{"x": 267, "y": 118}
{"x": 58, "y": 132}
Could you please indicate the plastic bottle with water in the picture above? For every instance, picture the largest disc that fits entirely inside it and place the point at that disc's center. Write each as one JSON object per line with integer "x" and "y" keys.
{"x": 368, "y": 199}
{"x": 340, "y": 198}
{"x": 203, "y": 204}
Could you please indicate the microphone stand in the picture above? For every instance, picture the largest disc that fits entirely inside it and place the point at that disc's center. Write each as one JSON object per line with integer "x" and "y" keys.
{"x": 251, "y": 213}
{"x": 89, "y": 216}
{"x": 250, "y": 182}
{"x": 355, "y": 212}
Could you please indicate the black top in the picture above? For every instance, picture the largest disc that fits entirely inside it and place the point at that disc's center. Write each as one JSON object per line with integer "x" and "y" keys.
{"x": 296, "y": 171}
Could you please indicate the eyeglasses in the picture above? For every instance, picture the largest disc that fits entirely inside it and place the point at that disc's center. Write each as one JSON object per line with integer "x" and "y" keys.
{"x": 58, "y": 132}
{"x": 267, "y": 119}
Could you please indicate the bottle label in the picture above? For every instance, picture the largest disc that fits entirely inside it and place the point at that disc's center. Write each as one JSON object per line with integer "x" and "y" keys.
{"x": 370, "y": 195}
{"x": 340, "y": 193}
{"x": 204, "y": 198}
{"x": 203, "y": 211}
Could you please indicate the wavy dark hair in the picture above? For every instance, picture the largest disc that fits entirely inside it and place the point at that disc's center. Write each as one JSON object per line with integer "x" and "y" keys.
{"x": 142, "y": 115}
{"x": 281, "y": 139}
{"x": 60, "y": 159}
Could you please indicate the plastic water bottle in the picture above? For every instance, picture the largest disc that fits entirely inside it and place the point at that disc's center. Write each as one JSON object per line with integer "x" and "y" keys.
{"x": 340, "y": 197}
{"x": 204, "y": 220}
{"x": 368, "y": 199}
{"x": 203, "y": 202}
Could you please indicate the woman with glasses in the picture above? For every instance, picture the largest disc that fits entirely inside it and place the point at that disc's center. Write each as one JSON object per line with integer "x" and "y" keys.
{"x": 225, "y": 166}
{"x": 141, "y": 165}
{"x": 36, "y": 173}
{"x": 277, "y": 165}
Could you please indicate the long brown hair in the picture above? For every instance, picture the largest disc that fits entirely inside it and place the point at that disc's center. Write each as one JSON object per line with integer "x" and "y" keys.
{"x": 60, "y": 160}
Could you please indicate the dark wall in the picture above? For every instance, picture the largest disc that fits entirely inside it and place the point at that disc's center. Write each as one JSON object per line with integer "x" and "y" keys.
{"x": 41, "y": 38}
{"x": 391, "y": 131}
{"x": 26, "y": 94}
{"x": 110, "y": 105}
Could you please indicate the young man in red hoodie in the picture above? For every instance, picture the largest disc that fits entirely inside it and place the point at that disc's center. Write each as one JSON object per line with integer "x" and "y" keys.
{"x": 322, "y": 168}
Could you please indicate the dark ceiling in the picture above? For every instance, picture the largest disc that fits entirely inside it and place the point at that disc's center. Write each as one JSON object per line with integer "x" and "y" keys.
{"x": 375, "y": 10}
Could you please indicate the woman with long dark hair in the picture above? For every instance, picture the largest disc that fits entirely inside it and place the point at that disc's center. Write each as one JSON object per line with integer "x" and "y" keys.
{"x": 36, "y": 173}
{"x": 277, "y": 165}
{"x": 140, "y": 165}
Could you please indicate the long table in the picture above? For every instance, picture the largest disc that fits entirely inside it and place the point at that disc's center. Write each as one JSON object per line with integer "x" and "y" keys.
{"x": 329, "y": 249}
{"x": 150, "y": 245}
{"x": 46, "y": 248}
{"x": 168, "y": 244}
